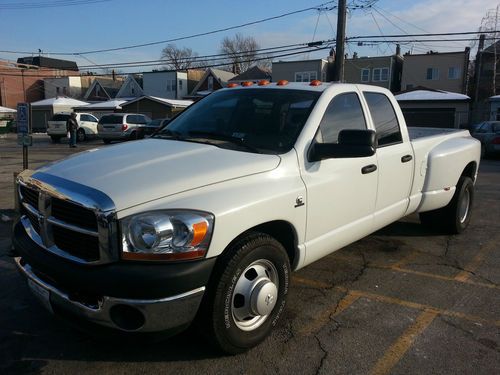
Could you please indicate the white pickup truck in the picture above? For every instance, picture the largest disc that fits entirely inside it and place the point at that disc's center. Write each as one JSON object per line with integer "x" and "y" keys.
{"x": 205, "y": 220}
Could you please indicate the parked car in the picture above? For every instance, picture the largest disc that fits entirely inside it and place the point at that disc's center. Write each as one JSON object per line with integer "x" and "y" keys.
{"x": 152, "y": 126}
{"x": 488, "y": 133}
{"x": 121, "y": 126}
{"x": 87, "y": 126}
{"x": 208, "y": 218}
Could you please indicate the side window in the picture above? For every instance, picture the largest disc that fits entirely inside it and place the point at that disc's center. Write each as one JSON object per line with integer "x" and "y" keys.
{"x": 85, "y": 118}
{"x": 131, "y": 119}
{"x": 141, "y": 119}
{"x": 384, "y": 118}
{"x": 343, "y": 112}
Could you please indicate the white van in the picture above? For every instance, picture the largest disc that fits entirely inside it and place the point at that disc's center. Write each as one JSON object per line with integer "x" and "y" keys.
{"x": 87, "y": 126}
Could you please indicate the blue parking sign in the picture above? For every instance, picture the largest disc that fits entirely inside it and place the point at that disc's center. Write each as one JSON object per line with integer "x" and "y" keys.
{"x": 23, "y": 117}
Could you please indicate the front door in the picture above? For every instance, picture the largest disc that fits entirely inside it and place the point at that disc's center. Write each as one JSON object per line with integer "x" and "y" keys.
{"x": 341, "y": 194}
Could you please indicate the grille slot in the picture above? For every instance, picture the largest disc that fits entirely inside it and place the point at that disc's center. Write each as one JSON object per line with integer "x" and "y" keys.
{"x": 74, "y": 214}
{"x": 30, "y": 196}
{"x": 32, "y": 218}
{"x": 80, "y": 245}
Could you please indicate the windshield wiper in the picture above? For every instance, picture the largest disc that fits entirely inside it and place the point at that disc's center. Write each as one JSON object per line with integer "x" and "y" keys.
{"x": 224, "y": 137}
{"x": 167, "y": 133}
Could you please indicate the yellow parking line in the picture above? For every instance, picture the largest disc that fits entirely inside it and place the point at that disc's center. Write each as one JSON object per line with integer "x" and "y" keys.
{"x": 397, "y": 350}
{"x": 476, "y": 261}
{"x": 312, "y": 283}
{"x": 326, "y": 315}
{"x": 355, "y": 294}
{"x": 411, "y": 256}
{"x": 438, "y": 277}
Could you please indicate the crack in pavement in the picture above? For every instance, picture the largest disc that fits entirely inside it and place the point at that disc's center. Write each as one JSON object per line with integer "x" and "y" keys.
{"x": 325, "y": 354}
{"x": 490, "y": 344}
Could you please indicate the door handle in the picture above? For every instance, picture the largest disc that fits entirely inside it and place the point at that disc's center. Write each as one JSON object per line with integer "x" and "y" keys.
{"x": 369, "y": 169}
{"x": 406, "y": 158}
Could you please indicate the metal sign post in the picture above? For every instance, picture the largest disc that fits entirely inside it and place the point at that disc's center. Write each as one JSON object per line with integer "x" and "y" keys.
{"x": 24, "y": 137}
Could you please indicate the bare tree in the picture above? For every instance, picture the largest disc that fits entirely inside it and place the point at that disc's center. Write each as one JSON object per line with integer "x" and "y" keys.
{"x": 241, "y": 51}
{"x": 179, "y": 58}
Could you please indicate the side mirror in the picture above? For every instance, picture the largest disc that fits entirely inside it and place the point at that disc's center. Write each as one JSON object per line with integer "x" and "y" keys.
{"x": 352, "y": 144}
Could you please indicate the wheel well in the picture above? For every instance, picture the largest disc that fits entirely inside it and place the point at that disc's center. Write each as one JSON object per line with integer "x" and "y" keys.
{"x": 470, "y": 170}
{"x": 283, "y": 232}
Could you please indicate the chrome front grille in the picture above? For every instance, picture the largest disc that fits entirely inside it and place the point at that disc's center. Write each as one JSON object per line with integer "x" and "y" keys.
{"x": 71, "y": 227}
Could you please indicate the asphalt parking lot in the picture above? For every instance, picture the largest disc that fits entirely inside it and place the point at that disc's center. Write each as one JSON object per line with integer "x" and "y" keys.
{"x": 404, "y": 300}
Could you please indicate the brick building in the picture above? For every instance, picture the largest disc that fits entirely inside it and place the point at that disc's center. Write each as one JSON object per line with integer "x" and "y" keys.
{"x": 24, "y": 83}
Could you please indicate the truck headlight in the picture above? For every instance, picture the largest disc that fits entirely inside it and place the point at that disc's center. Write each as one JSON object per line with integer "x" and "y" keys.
{"x": 166, "y": 235}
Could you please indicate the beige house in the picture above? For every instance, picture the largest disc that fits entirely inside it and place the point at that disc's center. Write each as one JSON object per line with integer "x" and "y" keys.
{"x": 446, "y": 71}
{"x": 300, "y": 71}
{"x": 383, "y": 71}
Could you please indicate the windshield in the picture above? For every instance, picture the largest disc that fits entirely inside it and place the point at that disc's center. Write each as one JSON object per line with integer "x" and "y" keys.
{"x": 255, "y": 120}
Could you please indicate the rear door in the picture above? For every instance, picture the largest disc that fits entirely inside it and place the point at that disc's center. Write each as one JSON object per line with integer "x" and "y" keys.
{"x": 112, "y": 123}
{"x": 395, "y": 160}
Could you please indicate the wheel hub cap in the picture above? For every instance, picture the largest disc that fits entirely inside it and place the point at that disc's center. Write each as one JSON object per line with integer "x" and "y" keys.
{"x": 264, "y": 298}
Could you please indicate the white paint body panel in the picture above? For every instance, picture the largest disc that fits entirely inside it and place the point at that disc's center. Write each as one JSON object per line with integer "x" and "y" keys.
{"x": 244, "y": 189}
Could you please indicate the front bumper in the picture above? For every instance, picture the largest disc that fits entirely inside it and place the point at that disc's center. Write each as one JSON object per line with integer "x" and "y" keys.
{"x": 127, "y": 296}
{"x": 130, "y": 315}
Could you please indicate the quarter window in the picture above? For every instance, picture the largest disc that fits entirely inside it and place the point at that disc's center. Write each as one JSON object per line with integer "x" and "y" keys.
{"x": 384, "y": 118}
{"x": 343, "y": 112}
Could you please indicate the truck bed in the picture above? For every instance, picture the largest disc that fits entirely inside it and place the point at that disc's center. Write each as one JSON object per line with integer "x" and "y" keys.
{"x": 417, "y": 132}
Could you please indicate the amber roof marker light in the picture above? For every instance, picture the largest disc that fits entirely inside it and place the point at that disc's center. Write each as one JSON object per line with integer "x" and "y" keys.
{"x": 282, "y": 82}
{"x": 246, "y": 83}
{"x": 315, "y": 82}
{"x": 232, "y": 84}
{"x": 263, "y": 82}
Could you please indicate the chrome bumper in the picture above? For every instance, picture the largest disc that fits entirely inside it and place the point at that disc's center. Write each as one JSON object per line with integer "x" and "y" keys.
{"x": 157, "y": 314}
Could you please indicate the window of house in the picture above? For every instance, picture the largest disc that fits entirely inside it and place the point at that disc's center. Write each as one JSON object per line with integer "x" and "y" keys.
{"x": 384, "y": 118}
{"x": 432, "y": 73}
{"x": 343, "y": 112}
{"x": 58, "y": 89}
{"x": 174, "y": 85}
{"x": 132, "y": 90}
{"x": 180, "y": 85}
{"x": 305, "y": 76}
{"x": 453, "y": 72}
{"x": 365, "y": 75}
{"x": 210, "y": 83}
{"x": 380, "y": 74}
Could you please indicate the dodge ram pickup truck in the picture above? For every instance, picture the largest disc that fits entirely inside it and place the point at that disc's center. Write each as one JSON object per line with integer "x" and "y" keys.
{"x": 204, "y": 221}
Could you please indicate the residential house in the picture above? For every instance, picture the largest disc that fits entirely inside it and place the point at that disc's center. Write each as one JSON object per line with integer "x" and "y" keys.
{"x": 103, "y": 89}
{"x": 131, "y": 88}
{"x": 427, "y": 107}
{"x": 155, "y": 107}
{"x": 383, "y": 71}
{"x": 194, "y": 76}
{"x": 168, "y": 84}
{"x": 212, "y": 80}
{"x": 63, "y": 86}
{"x": 485, "y": 65}
{"x": 24, "y": 83}
{"x": 446, "y": 71}
{"x": 254, "y": 74}
{"x": 300, "y": 71}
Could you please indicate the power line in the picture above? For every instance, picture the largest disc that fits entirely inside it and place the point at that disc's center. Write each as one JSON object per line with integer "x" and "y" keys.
{"x": 48, "y": 4}
{"x": 316, "y": 7}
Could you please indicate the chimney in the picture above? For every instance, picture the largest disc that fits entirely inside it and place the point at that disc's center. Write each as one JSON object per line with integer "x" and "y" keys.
{"x": 398, "y": 50}
{"x": 113, "y": 75}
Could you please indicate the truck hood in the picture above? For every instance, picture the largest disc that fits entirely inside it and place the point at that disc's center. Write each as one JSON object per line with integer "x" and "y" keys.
{"x": 137, "y": 172}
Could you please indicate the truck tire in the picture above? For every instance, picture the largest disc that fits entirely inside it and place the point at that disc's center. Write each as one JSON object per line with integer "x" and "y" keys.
{"x": 455, "y": 217}
{"x": 80, "y": 135}
{"x": 246, "y": 295}
{"x": 133, "y": 136}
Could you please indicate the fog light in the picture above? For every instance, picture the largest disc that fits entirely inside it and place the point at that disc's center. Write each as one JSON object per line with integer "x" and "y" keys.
{"x": 126, "y": 317}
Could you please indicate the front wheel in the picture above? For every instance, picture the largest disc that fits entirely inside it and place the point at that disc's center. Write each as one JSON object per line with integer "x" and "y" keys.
{"x": 455, "y": 217}
{"x": 247, "y": 293}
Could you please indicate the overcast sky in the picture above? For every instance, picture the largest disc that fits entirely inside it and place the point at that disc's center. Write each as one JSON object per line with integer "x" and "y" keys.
{"x": 117, "y": 23}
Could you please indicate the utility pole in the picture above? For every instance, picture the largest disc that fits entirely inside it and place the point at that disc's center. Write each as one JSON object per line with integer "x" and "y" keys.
{"x": 338, "y": 68}
{"x": 477, "y": 67}
{"x": 495, "y": 52}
